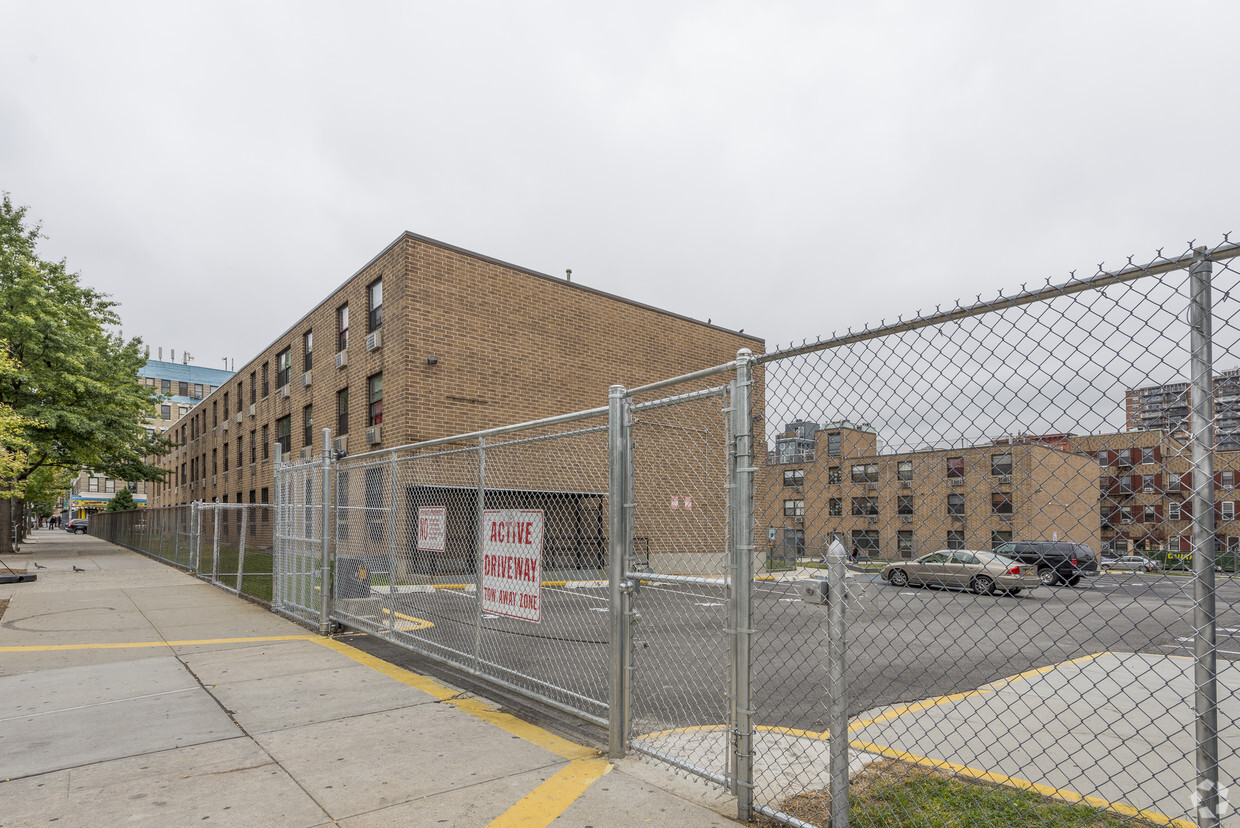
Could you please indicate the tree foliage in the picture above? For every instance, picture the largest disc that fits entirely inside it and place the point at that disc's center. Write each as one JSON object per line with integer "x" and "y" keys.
{"x": 73, "y": 383}
{"x": 44, "y": 488}
{"x": 121, "y": 501}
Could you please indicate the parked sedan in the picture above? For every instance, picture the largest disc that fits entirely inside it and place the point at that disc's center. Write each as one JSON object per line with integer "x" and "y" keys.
{"x": 982, "y": 572}
{"x": 1132, "y": 563}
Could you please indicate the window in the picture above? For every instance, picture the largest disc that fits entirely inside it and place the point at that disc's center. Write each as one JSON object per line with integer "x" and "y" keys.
{"x": 1228, "y": 479}
{"x": 374, "y": 502}
{"x": 955, "y": 539}
{"x": 1228, "y": 509}
{"x": 215, "y": 414}
{"x": 1147, "y": 454}
{"x": 865, "y": 473}
{"x": 182, "y": 389}
{"x": 865, "y": 541}
{"x": 253, "y": 498}
{"x": 1101, "y": 456}
{"x": 997, "y": 539}
{"x": 215, "y": 461}
{"x": 794, "y": 477}
{"x": 1173, "y": 545}
{"x": 955, "y": 468}
{"x": 92, "y": 484}
{"x": 1001, "y": 464}
{"x": 284, "y": 367}
{"x": 165, "y": 387}
{"x": 1125, "y": 484}
{"x": 226, "y": 404}
{"x": 307, "y": 345}
{"x": 794, "y": 508}
{"x": 1000, "y": 503}
{"x": 165, "y": 412}
{"x": 284, "y": 434}
{"x": 266, "y": 384}
{"x": 904, "y": 505}
{"x": 865, "y": 506}
{"x": 196, "y": 391}
{"x": 307, "y": 422}
{"x": 904, "y": 543}
{"x": 1124, "y": 457}
{"x": 1121, "y": 546}
{"x": 1149, "y": 514}
{"x": 253, "y": 387}
{"x": 253, "y": 448}
{"x": 266, "y": 442}
{"x": 342, "y": 411}
{"x": 835, "y": 507}
{"x": 833, "y": 445}
{"x": 1125, "y": 514}
{"x": 374, "y": 297}
{"x": 226, "y": 457}
{"x": 904, "y": 471}
{"x": 1173, "y": 510}
{"x": 375, "y": 416}
{"x": 342, "y": 327}
{"x": 955, "y": 505}
{"x": 834, "y": 475}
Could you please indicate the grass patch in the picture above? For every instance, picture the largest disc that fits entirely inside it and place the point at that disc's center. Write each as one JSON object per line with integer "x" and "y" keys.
{"x": 894, "y": 794}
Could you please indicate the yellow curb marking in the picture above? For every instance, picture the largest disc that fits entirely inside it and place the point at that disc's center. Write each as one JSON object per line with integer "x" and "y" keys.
{"x": 540, "y": 806}
{"x": 414, "y": 623}
{"x": 544, "y": 804}
{"x": 1071, "y": 797}
{"x": 43, "y": 648}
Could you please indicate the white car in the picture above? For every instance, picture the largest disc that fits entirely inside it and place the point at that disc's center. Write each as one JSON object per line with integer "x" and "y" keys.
{"x": 1132, "y": 563}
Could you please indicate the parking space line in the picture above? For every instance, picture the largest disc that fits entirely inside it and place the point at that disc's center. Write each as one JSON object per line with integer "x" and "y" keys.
{"x": 412, "y": 623}
{"x": 1071, "y": 797}
{"x": 548, "y": 801}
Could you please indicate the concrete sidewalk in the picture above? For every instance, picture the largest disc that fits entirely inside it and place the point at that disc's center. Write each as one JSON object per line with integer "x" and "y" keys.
{"x": 133, "y": 693}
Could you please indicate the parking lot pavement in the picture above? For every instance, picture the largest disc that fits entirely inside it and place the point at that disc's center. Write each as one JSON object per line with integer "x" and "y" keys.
{"x": 1082, "y": 725}
{"x": 131, "y": 692}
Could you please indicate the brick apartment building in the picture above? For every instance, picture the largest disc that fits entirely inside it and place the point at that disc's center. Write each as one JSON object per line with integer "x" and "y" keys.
{"x": 829, "y": 482}
{"x": 425, "y": 341}
{"x": 1166, "y": 408}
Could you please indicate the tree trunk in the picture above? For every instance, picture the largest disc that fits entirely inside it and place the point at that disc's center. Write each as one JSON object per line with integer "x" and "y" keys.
{"x": 6, "y": 525}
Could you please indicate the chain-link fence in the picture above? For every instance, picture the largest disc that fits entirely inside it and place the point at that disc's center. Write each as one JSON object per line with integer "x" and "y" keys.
{"x": 981, "y": 562}
{"x": 1034, "y": 514}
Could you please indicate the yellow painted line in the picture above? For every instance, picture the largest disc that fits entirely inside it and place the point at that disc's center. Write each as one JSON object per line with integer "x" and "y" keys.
{"x": 1071, "y": 797}
{"x": 45, "y": 648}
{"x": 475, "y": 707}
{"x": 543, "y": 805}
{"x": 417, "y": 623}
{"x": 926, "y": 704}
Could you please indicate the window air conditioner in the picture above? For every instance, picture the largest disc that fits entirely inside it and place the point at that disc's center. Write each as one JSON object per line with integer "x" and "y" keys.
{"x": 798, "y": 520}
{"x": 798, "y": 489}
{"x": 956, "y": 481}
{"x": 906, "y": 518}
{"x": 906, "y": 484}
{"x": 342, "y": 359}
{"x": 1005, "y": 479}
{"x": 224, "y": 426}
{"x": 251, "y": 409}
{"x": 305, "y": 454}
{"x": 373, "y": 435}
{"x": 305, "y": 379}
{"x": 212, "y": 480}
{"x": 872, "y": 487}
{"x": 340, "y": 444}
{"x": 239, "y": 416}
{"x": 284, "y": 391}
{"x": 374, "y": 341}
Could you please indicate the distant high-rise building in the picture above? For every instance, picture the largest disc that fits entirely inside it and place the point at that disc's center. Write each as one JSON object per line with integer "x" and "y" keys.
{"x": 1168, "y": 408}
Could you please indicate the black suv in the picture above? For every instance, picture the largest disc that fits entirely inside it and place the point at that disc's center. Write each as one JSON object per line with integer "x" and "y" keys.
{"x": 1057, "y": 561}
{"x": 77, "y": 526}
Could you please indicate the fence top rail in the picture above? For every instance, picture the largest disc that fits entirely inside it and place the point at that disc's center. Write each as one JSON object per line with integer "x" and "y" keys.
{"x": 575, "y": 416}
{"x": 1130, "y": 272}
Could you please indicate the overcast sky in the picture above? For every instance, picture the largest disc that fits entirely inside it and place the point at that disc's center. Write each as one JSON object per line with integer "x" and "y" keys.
{"x": 790, "y": 168}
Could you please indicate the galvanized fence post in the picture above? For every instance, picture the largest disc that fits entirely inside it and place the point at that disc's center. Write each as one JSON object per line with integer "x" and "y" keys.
{"x": 1204, "y": 620}
{"x": 620, "y": 588}
{"x": 837, "y": 679}
{"x": 392, "y": 546}
{"x": 215, "y": 543}
{"x": 325, "y": 577}
{"x": 742, "y": 578}
{"x": 480, "y": 541}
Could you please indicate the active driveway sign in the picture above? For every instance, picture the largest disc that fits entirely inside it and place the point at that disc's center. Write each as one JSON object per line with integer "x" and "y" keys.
{"x": 512, "y": 563}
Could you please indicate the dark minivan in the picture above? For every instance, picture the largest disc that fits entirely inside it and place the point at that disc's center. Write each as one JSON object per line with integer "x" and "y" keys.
{"x": 1058, "y": 562}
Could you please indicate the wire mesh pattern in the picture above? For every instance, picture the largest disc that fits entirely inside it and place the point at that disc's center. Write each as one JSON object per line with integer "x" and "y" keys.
{"x": 983, "y": 560}
{"x": 1015, "y": 485}
{"x": 436, "y": 549}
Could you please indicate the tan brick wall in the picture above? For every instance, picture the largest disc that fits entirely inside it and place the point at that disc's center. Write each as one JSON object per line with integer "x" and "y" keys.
{"x": 510, "y": 345}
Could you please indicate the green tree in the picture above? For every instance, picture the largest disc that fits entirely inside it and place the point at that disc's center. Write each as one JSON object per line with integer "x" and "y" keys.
{"x": 44, "y": 488}
{"x": 73, "y": 382}
{"x": 121, "y": 501}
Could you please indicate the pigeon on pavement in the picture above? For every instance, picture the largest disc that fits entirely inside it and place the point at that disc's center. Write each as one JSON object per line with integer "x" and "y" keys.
{"x": 38, "y": 565}
{"x": 78, "y": 569}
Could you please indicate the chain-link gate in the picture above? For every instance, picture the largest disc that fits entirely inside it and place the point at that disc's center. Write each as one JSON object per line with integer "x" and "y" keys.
{"x": 301, "y": 557}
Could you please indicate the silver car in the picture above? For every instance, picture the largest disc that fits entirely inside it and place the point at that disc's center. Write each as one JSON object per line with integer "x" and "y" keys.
{"x": 1132, "y": 563}
{"x": 982, "y": 572}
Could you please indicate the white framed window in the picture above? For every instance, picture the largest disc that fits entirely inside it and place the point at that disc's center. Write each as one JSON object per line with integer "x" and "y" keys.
{"x": 794, "y": 508}
{"x": 1173, "y": 510}
{"x": 1173, "y": 545}
{"x": 1228, "y": 509}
